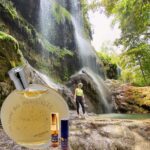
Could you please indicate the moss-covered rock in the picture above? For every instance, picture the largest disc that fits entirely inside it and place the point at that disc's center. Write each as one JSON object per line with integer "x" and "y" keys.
{"x": 41, "y": 54}
{"x": 29, "y": 9}
{"x": 10, "y": 55}
{"x": 94, "y": 99}
{"x": 129, "y": 99}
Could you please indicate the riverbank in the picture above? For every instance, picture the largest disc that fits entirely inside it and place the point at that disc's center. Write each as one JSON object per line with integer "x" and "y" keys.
{"x": 100, "y": 133}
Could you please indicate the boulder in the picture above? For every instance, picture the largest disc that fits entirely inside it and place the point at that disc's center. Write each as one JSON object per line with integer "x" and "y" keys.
{"x": 97, "y": 96}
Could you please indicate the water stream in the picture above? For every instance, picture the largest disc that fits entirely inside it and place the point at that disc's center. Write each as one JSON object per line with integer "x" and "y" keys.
{"x": 45, "y": 17}
{"x": 101, "y": 88}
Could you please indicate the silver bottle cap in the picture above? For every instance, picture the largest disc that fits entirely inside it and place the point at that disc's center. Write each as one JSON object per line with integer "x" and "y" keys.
{"x": 17, "y": 75}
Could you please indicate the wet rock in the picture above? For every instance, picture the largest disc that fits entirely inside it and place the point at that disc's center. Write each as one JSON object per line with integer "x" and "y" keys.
{"x": 104, "y": 134}
{"x": 97, "y": 96}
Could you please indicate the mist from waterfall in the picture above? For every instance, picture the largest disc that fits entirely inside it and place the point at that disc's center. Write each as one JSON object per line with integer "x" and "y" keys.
{"x": 87, "y": 54}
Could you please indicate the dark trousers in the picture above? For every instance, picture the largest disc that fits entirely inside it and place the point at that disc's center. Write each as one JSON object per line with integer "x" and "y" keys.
{"x": 79, "y": 101}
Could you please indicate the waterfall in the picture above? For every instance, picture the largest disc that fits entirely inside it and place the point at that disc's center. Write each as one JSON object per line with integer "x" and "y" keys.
{"x": 44, "y": 17}
{"x": 87, "y": 54}
{"x": 102, "y": 89}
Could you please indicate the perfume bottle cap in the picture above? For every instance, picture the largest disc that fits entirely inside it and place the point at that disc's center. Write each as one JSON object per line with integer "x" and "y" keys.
{"x": 64, "y": 128}
{"x": 17, "y": 75}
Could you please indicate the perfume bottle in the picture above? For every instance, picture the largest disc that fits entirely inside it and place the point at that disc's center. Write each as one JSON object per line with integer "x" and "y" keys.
{"x": 25, "y": 114}
{"x": 64, "y": 134}
{"x": 54, "y": 130}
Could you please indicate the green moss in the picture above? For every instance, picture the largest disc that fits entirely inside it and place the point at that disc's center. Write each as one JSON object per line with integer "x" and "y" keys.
{"x": 10, "y": 55}
{"x": 60, "y": 53}
{"x": 9, "y": 6}
{"x": 60, "y": 13}
{"x": 6, "y": 37}
{"x": 19, "y": 24}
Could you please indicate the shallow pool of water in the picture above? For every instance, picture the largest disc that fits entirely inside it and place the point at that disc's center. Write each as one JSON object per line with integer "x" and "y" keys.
{"x": 125, "y": 116}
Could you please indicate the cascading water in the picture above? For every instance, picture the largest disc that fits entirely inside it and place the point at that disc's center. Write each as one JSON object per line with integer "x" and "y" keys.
{"x": 87, "y": 54}
{"x": 45, "y": 28}
{"x": 102, "y": 89}
{"x": 44, "y": 17}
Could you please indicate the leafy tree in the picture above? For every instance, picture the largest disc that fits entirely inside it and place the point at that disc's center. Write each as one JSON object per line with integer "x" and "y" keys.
{"x": 134, "y": 19}
{"x": 137, "y": 61}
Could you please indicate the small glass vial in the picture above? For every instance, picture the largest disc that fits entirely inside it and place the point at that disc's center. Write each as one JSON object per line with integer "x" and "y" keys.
{"x": 54, "y": 130}
{"x": 25, "y": 114}
{"x": 64, "y": 134}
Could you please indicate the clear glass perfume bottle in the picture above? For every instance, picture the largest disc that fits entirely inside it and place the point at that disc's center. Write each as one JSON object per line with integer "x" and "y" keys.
{"x": 54, "y": 130}
{"x": 25, "y": 114}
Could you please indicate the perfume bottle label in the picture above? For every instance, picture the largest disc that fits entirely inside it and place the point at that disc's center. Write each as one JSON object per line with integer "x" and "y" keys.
{"x": 64, "y": 143}
{"x": 54, "y": 138}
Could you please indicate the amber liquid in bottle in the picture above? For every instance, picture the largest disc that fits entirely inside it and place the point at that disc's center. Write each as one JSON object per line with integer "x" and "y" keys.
{"x": 54, "y": 130}
{"x": 26, "y": 119}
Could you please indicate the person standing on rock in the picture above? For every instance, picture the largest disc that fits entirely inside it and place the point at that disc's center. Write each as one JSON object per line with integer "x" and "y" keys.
{"x": 79, "y": 99}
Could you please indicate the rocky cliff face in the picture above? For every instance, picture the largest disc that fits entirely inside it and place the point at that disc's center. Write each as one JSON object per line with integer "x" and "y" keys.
{"x": 52, "y": 58}
{"x": 10, "y": 56}
{"x": 63, "y": 36}
{"x": 29, "y": 9}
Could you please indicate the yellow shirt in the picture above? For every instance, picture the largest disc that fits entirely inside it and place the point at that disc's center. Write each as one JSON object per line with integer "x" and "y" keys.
{"x": 79, "y": 92}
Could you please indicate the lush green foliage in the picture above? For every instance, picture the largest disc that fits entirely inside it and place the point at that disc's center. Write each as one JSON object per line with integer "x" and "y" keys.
{"x": 134, "y": 19}
{"x": 136, "y": 65}
{"x": 110, "y": 64}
